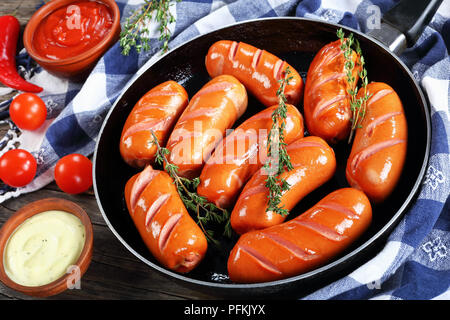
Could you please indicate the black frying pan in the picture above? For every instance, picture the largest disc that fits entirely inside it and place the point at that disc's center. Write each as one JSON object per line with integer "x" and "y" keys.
{"x": 296, "y": 40}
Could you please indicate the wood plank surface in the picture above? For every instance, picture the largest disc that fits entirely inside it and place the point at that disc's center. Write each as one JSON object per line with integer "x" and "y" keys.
{"x": 114, "y": 273}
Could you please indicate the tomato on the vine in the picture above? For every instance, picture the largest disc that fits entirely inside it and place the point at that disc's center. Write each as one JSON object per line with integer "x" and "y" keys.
{"x": 73, "y": 173}
{"x": 28, "y": 111}
{"x": 17, "y": 167}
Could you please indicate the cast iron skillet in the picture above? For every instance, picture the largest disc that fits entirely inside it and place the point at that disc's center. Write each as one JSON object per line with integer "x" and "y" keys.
{"x": 296, "y": 40}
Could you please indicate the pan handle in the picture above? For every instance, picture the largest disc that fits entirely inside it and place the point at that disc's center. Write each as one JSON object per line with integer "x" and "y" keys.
{"x": 402, "y": 25}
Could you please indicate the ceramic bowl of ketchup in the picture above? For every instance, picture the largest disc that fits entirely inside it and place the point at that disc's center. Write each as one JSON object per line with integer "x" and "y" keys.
{"x": 68, "y": 37}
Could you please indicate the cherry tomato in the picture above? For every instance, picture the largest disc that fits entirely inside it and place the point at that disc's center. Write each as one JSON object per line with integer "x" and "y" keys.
{"x": 17, "y": 167}
{"x": 28, "y": 111}
{"x": 73, "y": 173}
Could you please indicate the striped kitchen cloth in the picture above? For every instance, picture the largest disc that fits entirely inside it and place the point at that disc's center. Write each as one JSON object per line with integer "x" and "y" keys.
{"x": 414, "y": 264}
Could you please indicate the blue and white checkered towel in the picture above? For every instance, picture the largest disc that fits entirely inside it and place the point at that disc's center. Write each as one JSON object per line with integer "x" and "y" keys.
{"x": 415, "y": 262}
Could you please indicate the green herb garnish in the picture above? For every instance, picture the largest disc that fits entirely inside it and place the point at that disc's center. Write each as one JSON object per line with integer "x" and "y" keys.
{"x": 135, "y": 32}
{"x": 358, "y": 106}
{"x": 278, "y": 158}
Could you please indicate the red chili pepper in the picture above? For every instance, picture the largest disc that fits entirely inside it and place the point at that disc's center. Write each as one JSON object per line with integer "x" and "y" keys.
{"x": 9, "y": 34}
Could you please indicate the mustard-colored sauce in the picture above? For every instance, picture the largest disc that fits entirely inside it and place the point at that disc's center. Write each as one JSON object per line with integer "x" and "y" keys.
{"x": 41, "y": 249}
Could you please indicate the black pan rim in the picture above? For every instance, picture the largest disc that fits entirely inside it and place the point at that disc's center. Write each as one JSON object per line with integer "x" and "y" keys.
{"x": 390, "y": 225}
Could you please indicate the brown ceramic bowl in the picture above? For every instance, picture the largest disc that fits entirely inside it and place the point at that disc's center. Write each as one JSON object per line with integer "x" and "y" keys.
{"x": 26, "y": 212}
{"x": 79, "y": 66}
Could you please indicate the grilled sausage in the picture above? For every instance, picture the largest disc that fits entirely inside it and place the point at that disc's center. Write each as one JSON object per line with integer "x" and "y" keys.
{"x": 158, "y": 109}
{"x": 327, "y": 101}
{"x": 314, "y": 164}
{"x": 241, "y": 154}
{"x": 163, "y": 222}
{"x": 257, "y": 69}
{"x": 303, "y": 243}
{"x": 203, "y": 124}
{"x": 379, "y": 149}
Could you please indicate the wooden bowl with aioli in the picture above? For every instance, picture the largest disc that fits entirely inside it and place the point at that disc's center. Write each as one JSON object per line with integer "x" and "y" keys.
{"x": 22, "y": 222}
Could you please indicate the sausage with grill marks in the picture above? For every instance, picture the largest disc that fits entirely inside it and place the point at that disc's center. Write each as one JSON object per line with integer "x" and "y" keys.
{"x": 303, "y": 243}
{"x": 163, "y": 222}
{"x": 379, "y": 149}
{"x": 158, "y": 110}
{"x": 259, "y": 70}
{"x": 314, "y": 164}
{"x": 327, "y": 101}
{"x": 203, "y": 124}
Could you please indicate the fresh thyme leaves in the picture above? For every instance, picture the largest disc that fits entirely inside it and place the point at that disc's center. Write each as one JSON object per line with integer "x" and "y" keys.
{"x": 206, "y": 212}
{"x": 278, "y": 158}
{"x": 358, "y": 106}
{"x": 135, "y": 31}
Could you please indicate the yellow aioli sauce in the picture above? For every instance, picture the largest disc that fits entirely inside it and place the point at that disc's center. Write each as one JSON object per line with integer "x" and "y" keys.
{"x": 41, "y": 249}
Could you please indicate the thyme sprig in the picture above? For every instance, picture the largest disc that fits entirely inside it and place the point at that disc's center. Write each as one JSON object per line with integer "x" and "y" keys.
{"x": 278, "y": 159}
{"x": 135, "y": 32}
{"x": 205, "y": 211}
{"x": 358, "y": 106}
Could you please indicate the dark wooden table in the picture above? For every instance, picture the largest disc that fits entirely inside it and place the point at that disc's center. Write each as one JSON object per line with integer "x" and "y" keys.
{"x": 114, "y": 272}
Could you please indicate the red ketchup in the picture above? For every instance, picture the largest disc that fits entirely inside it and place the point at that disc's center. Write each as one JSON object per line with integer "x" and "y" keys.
{"x": 72, "y": 29}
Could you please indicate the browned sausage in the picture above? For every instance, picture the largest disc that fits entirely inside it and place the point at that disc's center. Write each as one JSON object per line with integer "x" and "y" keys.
{"x": 303, "y": 243}
{"x": 379, "y": 149}
{"x": 203, "y": 124}
{"x": 327, "y": 101}
{"x": 157, "y": 110}
{"x": 163, "y": 222}
{"x": 259, "y": 70}
{"x": 314, "y": 164}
